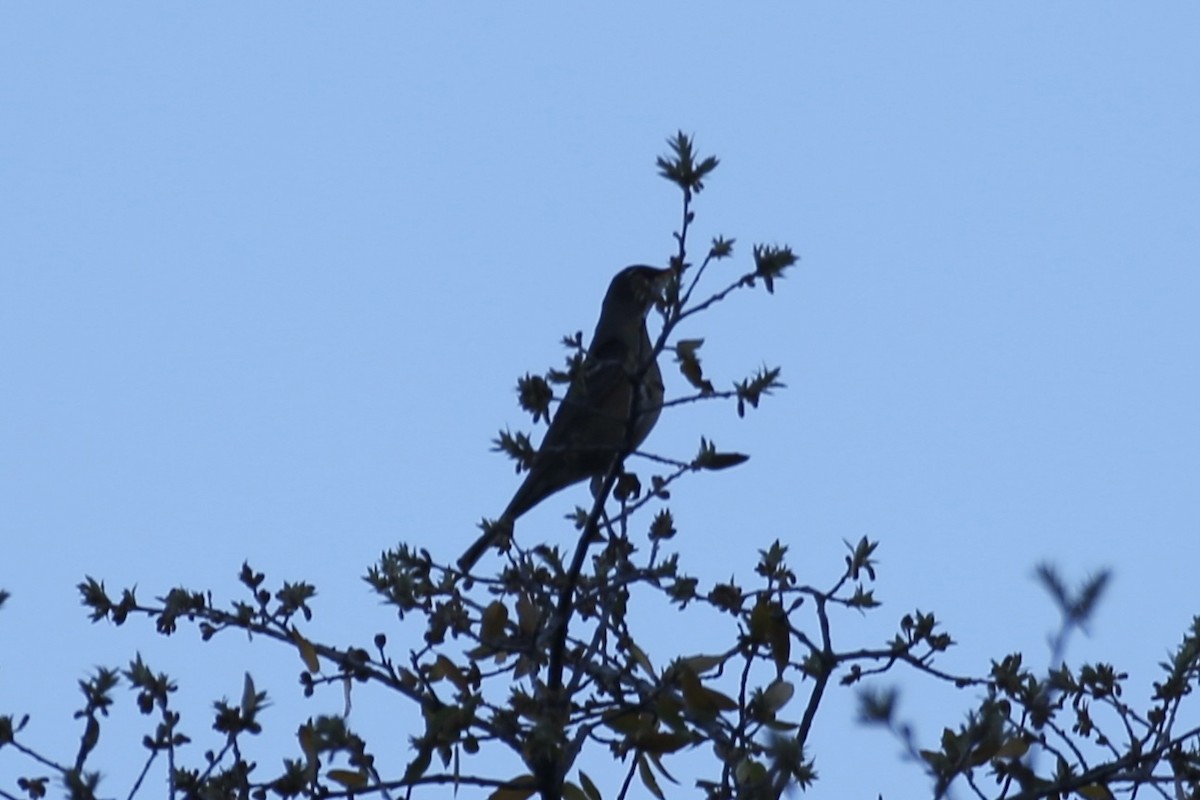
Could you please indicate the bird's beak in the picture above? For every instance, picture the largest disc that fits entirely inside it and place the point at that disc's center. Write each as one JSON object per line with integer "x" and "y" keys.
{"x": 661, "y": 286}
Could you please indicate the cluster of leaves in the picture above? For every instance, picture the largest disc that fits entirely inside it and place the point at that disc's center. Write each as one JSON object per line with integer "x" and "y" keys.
{"x": 226, "y": 770}
{"x": 479, "y": 677}
{"x": 1024, "y": 719}
{"x": 480, "y": 680}
{"x": 489, "y": 661}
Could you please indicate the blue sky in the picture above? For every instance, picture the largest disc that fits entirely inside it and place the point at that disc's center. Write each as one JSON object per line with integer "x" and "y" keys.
{"x": 268, "y": 273}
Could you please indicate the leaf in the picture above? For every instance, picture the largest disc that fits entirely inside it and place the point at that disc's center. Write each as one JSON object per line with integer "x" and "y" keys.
{"x": 721, "y": 247}
{"x": 702, "y": 701}
{"x": 725, "y": 460}
{"x": 709, "y": 458}
{"x": 249, "y": 696}
{"x": 493, "y": 620}
{"x": 1015, "y": 747}
{"x": 681, "y": 167}
{"x": 572, "y": 792}
{"x": 534, "y": 395}
{"x": 689, "y": 364}
{"x": 657, "y": 761}
{"x": 628, "y": 486}
{"x": 641, "y": 658}
{"x": 750, "y": 771}
{"x": 648, "y": 778}
{"x": 702, "y": 664}
{"x": 527, "y": 615}
{"x": 308, "y": 653}
{"x": 778, "y": 694}
{"x": 517, "y": 447}
{"x": 1095, "y": 791}
{"x": 722, "y": 701}
{"x": 769, "y": 263}
{"x": 760, "y": 621}
{"x": 416, "y": 767}
{"x": 984, "y": 752}
{"x": 753, "y": 388}
{"x": 519, "y": 788}
{"x": 626, "y": 722}
{"x": 350, "y": 778}
{"x": 659, "y": 742}
{"x": 91, "y": 735}
{"x": 663, "y": 526}
{"x": 589, "y": 788}
{"x": 780, "y": 637}
{"x": 694, "y": 698}
{"x": 307, "y": 736}
{"x": 445, "y": 668}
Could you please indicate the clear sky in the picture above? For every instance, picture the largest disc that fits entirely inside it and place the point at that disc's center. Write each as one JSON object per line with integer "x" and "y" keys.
{"x": 268, "y": 272}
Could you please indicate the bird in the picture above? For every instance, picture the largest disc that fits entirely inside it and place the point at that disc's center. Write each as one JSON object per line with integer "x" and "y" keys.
{"x": 594, "y": 420}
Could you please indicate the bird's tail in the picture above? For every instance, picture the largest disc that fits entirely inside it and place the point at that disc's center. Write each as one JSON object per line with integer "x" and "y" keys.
{"x": 492, "y": 533}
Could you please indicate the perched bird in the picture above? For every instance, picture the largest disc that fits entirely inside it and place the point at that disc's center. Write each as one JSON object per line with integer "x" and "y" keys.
{"x": 593, "y": 422}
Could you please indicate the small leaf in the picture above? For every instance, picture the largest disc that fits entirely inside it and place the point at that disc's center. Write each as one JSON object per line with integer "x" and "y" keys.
{"x": 648, "y": 779}
{"x": 534, "y": 395}
{"x": 760, "y": 621}
{"x": 709, "y": 458}
{"x": 681, "y": 167}
{"x": 722, "y": 701}
{"x": 572, "y": 792}
{"x": 589, "y": 788}
{"x": 91, "y": 735}
{"x": 416, "y": 767}
{"x": 750, "y": 771}
{"x": 249, "y": 706}
{"x": 628, "y": 487}
{"x": 659, "y": 742}
{"x": 721, "y": 247}
{"x": 663, "y": 526}
{"x": 702, "y": 701}
{"x": 528, "y": 615}
{"x": 493, "y": 620}
{"x": 641, "y": 658}
{"x": 689, "y": 364}
{"x": 725, "y": 460}
{"x": 702, "y": 664}
{"x": 307, "y": 737}
{"x": 628, "y": 723}
{"x": 443, "y": 667}
{"x": 780, "y": 637}
{"x": 308, "y": 653}
{"x": 656, "y": 759}
{"x": 351, "y": 779}
{"x": 517, "y": 447}
{"x": 769, "y": 263}
{"x": 752, "y": 389}
{"x": 778, "y": 694}
{"x": 1016, "y": 747}
{"x": 694, "y": 696}
{"x": 519, "y": 788}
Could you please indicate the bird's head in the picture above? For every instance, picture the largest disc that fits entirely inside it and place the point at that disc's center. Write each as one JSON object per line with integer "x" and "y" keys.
{"x": 634, "y": 291}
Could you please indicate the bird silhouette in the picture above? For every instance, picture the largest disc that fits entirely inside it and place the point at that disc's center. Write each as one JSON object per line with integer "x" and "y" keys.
{"x": 610, "y": 407}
